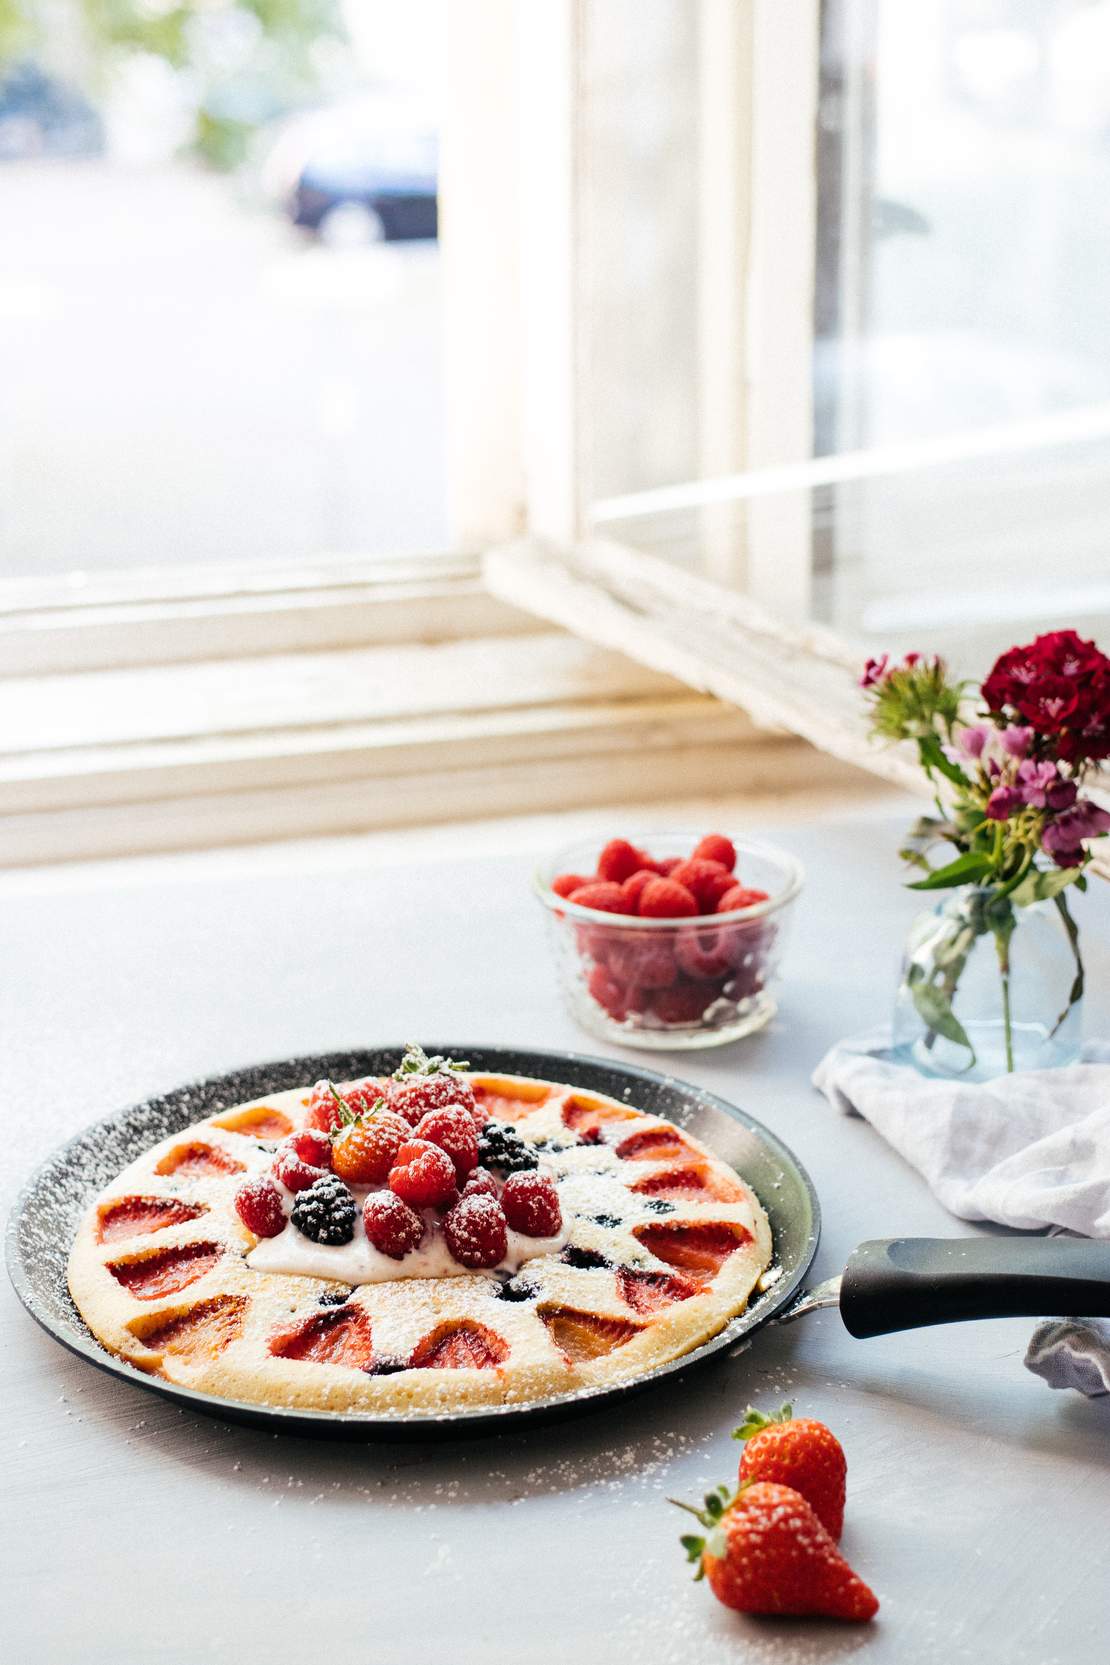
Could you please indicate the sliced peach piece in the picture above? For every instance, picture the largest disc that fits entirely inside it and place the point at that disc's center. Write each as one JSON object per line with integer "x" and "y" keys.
{"x": 166, "y": 1271}
{"x": 201, "y": 1332}
{"x": 583, "y": 1113}
{"x": 459, "y": 1346}
{"x": 580, "y": 1336}
{"x": 198, "y": 1161}
{"x": 652, "y": 1291}
{"x": 652, "y": 1145}
{"x": 260, "y": 1122}
{"x": 339, "y": 1335}
{"x": 700, "y": 1249}
{"x": 138, "y": 1216}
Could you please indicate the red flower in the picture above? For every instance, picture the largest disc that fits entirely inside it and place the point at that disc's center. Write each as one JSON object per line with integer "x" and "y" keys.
{"x": 1060, "y": 685}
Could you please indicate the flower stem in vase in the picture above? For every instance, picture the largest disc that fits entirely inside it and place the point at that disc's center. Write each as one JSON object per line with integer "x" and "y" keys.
{"x": 1002, "y": 940}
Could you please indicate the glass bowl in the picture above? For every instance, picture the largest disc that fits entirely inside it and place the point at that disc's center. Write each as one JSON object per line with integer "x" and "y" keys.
{"x": 669, "y": 984}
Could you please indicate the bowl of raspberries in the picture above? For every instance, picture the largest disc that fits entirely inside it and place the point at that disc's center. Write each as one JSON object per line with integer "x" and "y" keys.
{"x": 674, "y": 946}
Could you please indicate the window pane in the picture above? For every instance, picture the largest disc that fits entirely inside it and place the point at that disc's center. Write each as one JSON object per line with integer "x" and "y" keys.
{"x": 955, "y": 328}
{"x": 219, "y": 285}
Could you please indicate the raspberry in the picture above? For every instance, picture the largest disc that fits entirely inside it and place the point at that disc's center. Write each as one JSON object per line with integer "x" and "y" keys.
{"x": 703, "y": 954}
{"x": 453, "y": 1130}
{"x": 323, "y": 1102}
{"x": 608, "y": 993}
{"x": 392, "y": 1226}
{"x": 422, "y": 1174}
{"x": 364, "y": 1151}
{"x": 258, "y": 1205}
{"x": 326, "y": 1212}
{"x": 531, "y": 1205}
{"x": 664, "y": 899}
{"x": 419, "y": 1094}
{"x": 739, "y": 896}
{"x": 619, "y": 860}
{"x": 311, "y": 1146}
{"x": 602, "y": 896}
{"x": 566, "y": 882}
{"x": 476, "y": 1232}
{"x": 667, "y": 866}
{"x": 685, "y": 1003}
{"x": 642, "y": 965}
{"x": 716, "y": 847}
{"x": 292, "y": 1171}
{"x": 706, "y": 881}
{"x": 501, "y": 1146}
{"x": 480, "y": 1183}
{"x": 632, "y": 889}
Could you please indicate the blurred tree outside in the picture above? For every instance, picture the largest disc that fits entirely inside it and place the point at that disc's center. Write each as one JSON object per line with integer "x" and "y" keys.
{"x": 218, "y": 69}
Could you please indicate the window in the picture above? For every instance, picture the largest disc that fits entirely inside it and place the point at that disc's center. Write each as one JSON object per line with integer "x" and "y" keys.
{"x": 837, "y": 324}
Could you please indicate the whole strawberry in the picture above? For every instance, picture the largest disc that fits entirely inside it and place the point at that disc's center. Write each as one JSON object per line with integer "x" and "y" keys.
{"x": 803, "y": 1454}
{"x": 765, "y": 1551}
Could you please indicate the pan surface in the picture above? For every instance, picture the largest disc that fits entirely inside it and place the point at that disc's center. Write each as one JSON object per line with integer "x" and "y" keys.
{"x": 46, "y": 1215}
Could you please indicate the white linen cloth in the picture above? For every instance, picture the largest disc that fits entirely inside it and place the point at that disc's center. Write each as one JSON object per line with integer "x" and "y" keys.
{"x": 1030, "y": 1150}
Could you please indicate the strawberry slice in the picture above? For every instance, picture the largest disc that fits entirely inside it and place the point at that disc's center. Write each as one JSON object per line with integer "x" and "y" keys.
{"x": 198, "y": 1161}
{"x": 339, "y": 1335}
{"x": 139, "y": 1216}
{"x": 652, "y": 1291}
{"x": 166, "y": 1271}
{"x": 459, "y": 1346}
{"x": 700, "y": 1249}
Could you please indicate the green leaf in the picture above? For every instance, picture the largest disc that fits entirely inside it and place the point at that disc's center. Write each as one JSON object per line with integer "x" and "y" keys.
{"x": 417, "y": 1062}
{"x": 935, "y": 1010}
{"x": 966, "y": 869}
{"x": 693, "y": 1545}
{"x": 1076, "y": 992}
{"x": 755, "y": 1421}
{"x": 1042, "y": 884}
{"x": 932, "y": 756}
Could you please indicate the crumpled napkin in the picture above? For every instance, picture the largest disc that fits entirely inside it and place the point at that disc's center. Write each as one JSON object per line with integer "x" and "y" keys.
{"x": 1030, "y": 1150}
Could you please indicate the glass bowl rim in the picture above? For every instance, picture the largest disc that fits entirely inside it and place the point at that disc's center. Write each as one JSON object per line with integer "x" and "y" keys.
{"x": 795, "y": 871}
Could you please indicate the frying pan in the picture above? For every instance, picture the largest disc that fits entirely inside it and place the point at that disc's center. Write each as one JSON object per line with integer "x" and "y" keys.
{"x": 892, "y": 1285}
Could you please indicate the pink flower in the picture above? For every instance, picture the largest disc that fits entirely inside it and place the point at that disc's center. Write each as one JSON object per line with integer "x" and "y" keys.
{"x": 875, "y": 671}
{"x": 1016, "y": 740}
{"x": 972, "y": 740}
{"x": 1061, "y": 794}
{"x": 1064, "y": 836}
{"x": 1003, "y": 802}
{"x": 1034, "y": 781}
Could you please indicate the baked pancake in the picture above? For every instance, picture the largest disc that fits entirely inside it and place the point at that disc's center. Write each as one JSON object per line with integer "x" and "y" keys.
{"x": 651, "y": 1246}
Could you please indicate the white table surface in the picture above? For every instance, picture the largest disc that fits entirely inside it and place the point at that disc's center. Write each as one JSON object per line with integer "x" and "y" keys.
{"x": 132, "y": 1532}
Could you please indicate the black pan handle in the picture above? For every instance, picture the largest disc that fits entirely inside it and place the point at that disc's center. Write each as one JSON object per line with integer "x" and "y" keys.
{"x": 906, "y": 1283}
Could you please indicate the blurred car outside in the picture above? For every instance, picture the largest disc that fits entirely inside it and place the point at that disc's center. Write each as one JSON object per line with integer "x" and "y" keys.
{"x": 357, "y": 172}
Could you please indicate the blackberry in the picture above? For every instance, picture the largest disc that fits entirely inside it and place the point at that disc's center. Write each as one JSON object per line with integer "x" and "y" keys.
{"x": 335, "y": 1298}
{"x": 584, "y": 1259}
{"x": 516, "y": 1289}
{"x": 326, "y": 1211}
{"x": 385, "y": 1366}
{"x": 658, "y": 1206}
{"x": 606, "y": 1219}
{"x": 501, "y": 1146}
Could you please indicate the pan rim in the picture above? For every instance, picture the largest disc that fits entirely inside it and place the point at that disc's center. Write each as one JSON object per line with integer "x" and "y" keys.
{"x": 466, "y": 1421}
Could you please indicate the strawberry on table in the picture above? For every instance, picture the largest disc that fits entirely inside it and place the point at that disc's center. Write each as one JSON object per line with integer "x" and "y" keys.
{"x": 765, "y": 1551}
{"x": 803, "y": 1454}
